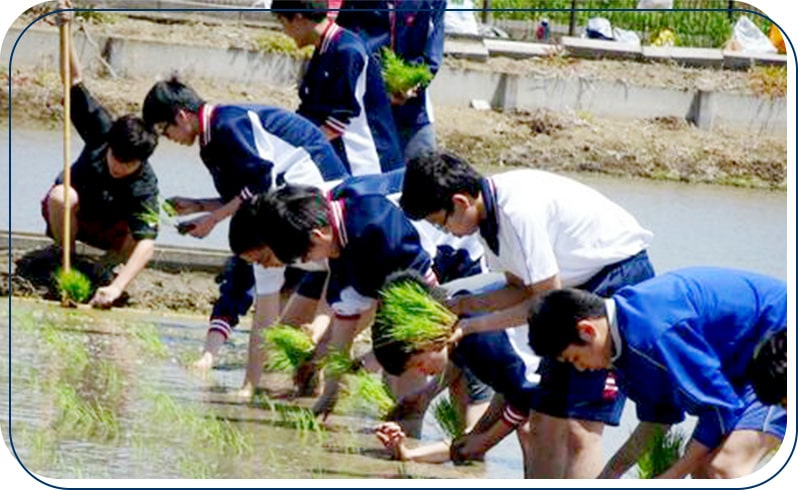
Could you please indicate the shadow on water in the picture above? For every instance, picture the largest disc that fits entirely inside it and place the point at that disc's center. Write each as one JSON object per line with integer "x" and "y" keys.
{"x": 107, "y": 395}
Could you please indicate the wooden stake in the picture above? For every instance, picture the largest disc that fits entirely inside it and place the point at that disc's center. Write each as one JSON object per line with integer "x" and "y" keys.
{"x": 66, "y": 51}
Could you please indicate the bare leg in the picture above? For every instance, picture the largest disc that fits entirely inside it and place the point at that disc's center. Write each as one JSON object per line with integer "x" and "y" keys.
{"x": 549, "y": 435}
{"x": 267, "y": 310}
{"x": 213, "y": 342}
{"x": 739, "y": 454}
{"x": 584, "y": 457}
{"x": 55, "y": 213}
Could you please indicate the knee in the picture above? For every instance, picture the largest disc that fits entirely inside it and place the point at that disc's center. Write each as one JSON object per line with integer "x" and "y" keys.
{"x": 56, "y": 197}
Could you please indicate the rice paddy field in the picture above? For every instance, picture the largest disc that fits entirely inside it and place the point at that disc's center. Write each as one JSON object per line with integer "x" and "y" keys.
{"x": 107, "y": 395}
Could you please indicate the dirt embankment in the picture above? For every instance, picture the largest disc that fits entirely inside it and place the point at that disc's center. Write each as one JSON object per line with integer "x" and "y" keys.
{"x": 658, "y": 149}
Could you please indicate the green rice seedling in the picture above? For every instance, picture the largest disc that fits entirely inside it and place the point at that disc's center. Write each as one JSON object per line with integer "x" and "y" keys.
{"x": 448, "y": 418}
{"x": 413, "y": 316}
{"x": 400, "y": 77}
{"x": 73, "y": 285}
{"x": 151, "y": 216}
{"x": 366, "y": 393}
{"x": 301, "y": 419}
{"x": 664, "y": 449}
{"x": 169, "y": 208}
{"x": 146, "y": 335}
{"x": 287, "y": 347}
{"x": 336, "y": 363}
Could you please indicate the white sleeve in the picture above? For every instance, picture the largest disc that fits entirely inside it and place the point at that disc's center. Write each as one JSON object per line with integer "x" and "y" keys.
{"x": 268, "y": 280}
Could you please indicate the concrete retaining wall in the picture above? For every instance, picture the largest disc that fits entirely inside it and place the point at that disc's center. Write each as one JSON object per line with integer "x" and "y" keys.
{"x": 38, "y": 48}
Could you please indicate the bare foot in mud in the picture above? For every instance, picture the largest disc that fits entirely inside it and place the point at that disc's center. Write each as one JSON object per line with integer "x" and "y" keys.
{"x": 246, "y": 392}
{"x": 203, "y": 364}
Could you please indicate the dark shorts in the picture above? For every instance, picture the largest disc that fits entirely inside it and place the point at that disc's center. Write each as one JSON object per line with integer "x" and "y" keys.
{"x": 564, "y": 391}
{"x": 105, "y": 235}
{"x": 770, "y": 419}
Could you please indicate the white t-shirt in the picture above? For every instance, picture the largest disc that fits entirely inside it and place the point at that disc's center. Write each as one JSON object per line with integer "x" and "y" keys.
{"x": 550, "y": 224}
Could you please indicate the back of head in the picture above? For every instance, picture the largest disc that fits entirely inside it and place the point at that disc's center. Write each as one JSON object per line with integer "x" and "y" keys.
{"x": 130, "y": 139}
{"x": 431, "y": 180}
{"x": 314, "y": 10}
{"x": 282, "y": 219}
{"x": 768, "y": 369}
{"x": 393, "y": 354}
{"x": 166, "y": 98}
{"x": 553, "y": 318}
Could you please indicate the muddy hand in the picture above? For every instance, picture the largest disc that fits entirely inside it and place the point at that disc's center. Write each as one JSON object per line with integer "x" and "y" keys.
{"x": 105, "y": 297}
{"x": 390, "y": 434}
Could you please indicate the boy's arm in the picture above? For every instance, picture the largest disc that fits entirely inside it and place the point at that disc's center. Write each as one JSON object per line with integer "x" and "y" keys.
{"x": 392, "y": 437}
{"x": 695, "y": 454}
{"x": 634, "y": 447}
{"x": 141, "y": 255}
{"x": 511, "y": 307}
{"x": 433, "y": 51}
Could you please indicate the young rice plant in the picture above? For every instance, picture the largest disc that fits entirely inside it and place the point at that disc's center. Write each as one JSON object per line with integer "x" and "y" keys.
{"x": 413, "y": 316}
{"x": 400, "y": 77}
{"x": 664, "y": 449}
{"x": 73, "y": 284}
{"x": 287, "y": 347}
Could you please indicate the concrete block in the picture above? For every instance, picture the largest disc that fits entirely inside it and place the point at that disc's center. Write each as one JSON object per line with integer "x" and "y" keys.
{"x": 697, "y": 57}
{"x": 517, "y": 49}
{"x": 596, "y": 48}
{"x": 740, "y": 60}
{"x": 468, "y": 48}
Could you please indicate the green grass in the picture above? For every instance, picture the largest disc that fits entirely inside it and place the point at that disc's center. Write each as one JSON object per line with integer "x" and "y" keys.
{"x": 700, "y": 28}
{"x": 664, "y": 449}
{"x": 448, "y": 418}
{"x": 412, "y": 316}
{"x": 73, "y": 284}
{"x": 277, "y": 42}
{"x": 336, "y": 363}
{"x": 287, "y": 347}
{"x": 399, "y": 76}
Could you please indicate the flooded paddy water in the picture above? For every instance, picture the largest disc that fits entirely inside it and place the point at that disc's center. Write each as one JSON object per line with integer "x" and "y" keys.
{"x": 100, "y": 395}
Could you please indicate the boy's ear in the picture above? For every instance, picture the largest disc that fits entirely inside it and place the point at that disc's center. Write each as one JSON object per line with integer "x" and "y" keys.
{"x": 462, "y": 200}
{"x": 586, "y": 330}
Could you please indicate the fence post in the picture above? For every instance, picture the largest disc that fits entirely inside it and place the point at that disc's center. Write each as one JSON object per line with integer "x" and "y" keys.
{"x": 731, "y": 9}
{"x": 572, "y": 24}
{"x": 486, "y": 4}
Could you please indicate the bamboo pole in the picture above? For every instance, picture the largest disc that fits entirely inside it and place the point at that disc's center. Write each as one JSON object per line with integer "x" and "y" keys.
{"x": 66, "y": 70}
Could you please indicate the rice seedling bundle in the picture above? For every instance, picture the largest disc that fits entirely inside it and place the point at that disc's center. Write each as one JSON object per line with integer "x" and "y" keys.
{"x": 664, "y": 449}
{"x": 366, "y": 392}
{"x": 448, "y": 418}
{"x": 400, "y": 77}
{"x": 73, "y": 284}
{"x": 151, "y": 216}
{"x": 412, "y": 316}
{"x": 336, "y": 363}
{"x": 169, "y": 208}
{"x": 287, "y": 347}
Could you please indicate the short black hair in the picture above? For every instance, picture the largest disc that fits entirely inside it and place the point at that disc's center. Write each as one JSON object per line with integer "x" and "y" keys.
{"x": 130, "y": 139}
{"x": 768, "y": 369}
{"x": 314, "y": 10}
{"x": 432, "y": 178}
{"x": 282, "y": 219}
{"x": 553, "y": 318}
{"x": 166, "y": 98}
{"x": 393, "y": 354}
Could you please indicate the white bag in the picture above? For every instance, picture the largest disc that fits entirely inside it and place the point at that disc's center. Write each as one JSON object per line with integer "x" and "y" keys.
{"x": 749, "y": 39}
{"x": 459, "y": 18}
{"x": 625, "y": 36}
{"x": 655, "y": 4}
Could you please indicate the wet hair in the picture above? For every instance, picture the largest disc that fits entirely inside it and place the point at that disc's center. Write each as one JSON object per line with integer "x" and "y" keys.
{"x": 431, "y": 180}
{"x": 553, "y": 317}
{"x": 768, "y": 369}
{"x": 166, "y": 98}
{"x": 131, "y": 140}
{"x": 282, "y": 219}
{"x": 393, "y": 354}
{"x": 314, "y": 10}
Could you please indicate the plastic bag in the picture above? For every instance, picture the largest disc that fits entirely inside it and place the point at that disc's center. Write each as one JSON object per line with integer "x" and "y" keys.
{"x": 655, "y": 4}
{"x": 459, "y": 18}
{"x": 748, "y": 38}
{"x": 599, "y": 28}
{"x": 625, "y": 37}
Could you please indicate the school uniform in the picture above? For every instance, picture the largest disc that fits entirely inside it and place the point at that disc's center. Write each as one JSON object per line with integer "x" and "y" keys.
{"x": 682, "y": 342}
{"x": 343, "y": 91}
{"x": 414, "y": 30}
{"x": 540, "y": 224}
{"x": 110, "y": 207}
{"x": 250, "y": 149}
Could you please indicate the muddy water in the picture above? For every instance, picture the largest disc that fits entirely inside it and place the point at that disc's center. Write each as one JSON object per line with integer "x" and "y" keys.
{"x": 137, "y": 384}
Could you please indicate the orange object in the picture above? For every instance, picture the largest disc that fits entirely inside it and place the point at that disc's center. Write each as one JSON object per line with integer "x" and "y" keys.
{"x": 775, "y": 37}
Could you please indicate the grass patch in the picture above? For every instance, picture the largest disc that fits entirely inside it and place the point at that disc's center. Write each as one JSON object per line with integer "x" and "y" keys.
{"x": 770, "y": 81}
{"x": 277, "y": 42}
{"x": 664, "y": 449}
{"x": 73, "y": 285}
{"x": 399, "y": 76}
{"x": 146, "y": 335}
{"x": 412, "y": 316}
